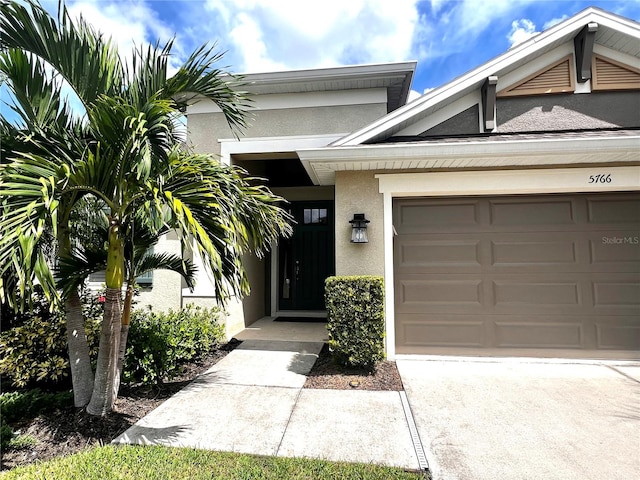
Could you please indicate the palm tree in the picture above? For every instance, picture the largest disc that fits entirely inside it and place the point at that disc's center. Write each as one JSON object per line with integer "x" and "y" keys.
{"x": 128, "y": 153}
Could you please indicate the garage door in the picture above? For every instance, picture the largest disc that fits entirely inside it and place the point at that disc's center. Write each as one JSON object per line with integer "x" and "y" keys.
{"x": 530, "y": 273}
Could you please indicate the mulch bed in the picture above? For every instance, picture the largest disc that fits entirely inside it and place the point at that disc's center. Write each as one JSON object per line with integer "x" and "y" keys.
{"x": 328, "y": 375}
{"x": 69, "y": 431}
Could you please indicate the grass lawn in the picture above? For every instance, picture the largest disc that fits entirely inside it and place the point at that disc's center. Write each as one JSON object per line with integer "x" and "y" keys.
{"x": 153, "y": 462}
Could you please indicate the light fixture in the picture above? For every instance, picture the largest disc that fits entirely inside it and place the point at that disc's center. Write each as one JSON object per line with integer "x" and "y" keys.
{"x": 359, "y": 228}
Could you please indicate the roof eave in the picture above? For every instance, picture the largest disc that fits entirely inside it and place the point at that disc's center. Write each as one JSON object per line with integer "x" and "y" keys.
{"x": 517, "y": 153}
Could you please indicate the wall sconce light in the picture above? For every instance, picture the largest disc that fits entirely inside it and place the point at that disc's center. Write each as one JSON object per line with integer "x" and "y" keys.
{"x": 359, "y": 228}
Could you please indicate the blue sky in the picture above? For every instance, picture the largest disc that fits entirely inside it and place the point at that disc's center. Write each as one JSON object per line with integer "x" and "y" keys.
{"x": 446, "y": 37}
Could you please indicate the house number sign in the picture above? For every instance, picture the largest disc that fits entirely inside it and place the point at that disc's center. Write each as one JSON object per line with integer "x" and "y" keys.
{"x": 600, "y": 178}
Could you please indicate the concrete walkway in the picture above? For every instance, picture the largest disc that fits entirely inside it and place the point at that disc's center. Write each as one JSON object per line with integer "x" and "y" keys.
{"x": 477, "y": 418}
{"x": 252, "y": 401}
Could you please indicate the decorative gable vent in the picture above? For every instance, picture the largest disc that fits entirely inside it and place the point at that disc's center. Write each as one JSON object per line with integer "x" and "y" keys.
{"x": 557, "y": 78}
{"x": 611, "y": 75}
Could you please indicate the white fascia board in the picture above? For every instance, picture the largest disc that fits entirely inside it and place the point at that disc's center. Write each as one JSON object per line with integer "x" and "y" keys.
{"x": 474, "y": 78}
{"x": 245, "y": 145}
{"x": 617, "y": 56}
{"x": 554, "y": 146}
{"x": 283, "y": 101}
{"x": 350, "y": 72}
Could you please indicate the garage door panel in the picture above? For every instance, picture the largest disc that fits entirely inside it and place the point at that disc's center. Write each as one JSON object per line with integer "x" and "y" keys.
{"x": 434, "y": 216}
{"x": 614, "y": 333}
{"x": 529, "y": 212}
{"x": 443, "y": 332}
{"x": 613, "y": 210}
{"x": 537, "y": 294}
{"x": 419, "y": 294}
{"x": 533, "y": 251}
{"x": 532, "y": 332}
{"x": 621, "y": 248}
{"x": 620, "y": 294}
{"x": 425, "y": 252}
{"x": 529, "y": 272}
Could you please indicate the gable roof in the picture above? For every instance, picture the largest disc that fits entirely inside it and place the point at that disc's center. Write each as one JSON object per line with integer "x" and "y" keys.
{"x": 614, "y": 32}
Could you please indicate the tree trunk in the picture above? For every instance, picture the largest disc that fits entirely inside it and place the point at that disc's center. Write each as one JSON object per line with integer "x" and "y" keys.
{"x": 104, "y": 389}
{"x": 81, "y": 373}
{"x": 103, "y": 396}
{"x": 77, "y": 346}
{"x": 124, "y": 333}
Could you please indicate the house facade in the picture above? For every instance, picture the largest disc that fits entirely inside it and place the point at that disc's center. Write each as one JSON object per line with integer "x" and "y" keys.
{"x": 504, "y": 206}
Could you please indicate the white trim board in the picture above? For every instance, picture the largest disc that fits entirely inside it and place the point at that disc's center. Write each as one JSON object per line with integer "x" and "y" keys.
{"x": 234, "y": 146}
{"x": 509, "y": 182}
{"x": 497, "y": 182}
{"x": 285, "y": 101}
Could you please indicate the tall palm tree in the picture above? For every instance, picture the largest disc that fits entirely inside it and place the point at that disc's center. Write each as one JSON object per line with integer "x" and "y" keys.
{"x": 127, "y": 151}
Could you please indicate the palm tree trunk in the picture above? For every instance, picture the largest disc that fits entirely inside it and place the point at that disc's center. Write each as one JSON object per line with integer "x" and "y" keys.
{"x": 78, "y": 348}
{"x": 124, "y": 333}
{"x": 103, "y": 396}
{"x": 104, "y": 389}
{"x": 81, "y": 373}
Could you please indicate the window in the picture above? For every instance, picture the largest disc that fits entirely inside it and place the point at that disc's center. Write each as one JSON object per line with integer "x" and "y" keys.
{"x": 315, "y": 216}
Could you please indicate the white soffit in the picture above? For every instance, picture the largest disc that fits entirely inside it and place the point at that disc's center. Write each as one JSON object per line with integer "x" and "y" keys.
{"x": 614, "y": 32}
{"x": 321, "y": 164}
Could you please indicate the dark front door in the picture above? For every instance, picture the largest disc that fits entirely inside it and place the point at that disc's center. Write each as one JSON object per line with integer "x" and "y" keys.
{"x": 307, "y": 258}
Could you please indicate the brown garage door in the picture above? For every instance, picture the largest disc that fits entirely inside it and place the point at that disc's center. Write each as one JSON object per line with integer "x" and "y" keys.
{"x": 530, "y": 273}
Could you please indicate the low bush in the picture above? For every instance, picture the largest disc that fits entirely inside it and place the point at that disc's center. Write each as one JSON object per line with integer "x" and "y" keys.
{"x": 6, "y": 435}
{"x": 35, "y": 353}
{"x": 16, "y": 406}
{"x": 31, "y": 403}
{"x": 355, "y": 310}
{"x": 160, "y": 343}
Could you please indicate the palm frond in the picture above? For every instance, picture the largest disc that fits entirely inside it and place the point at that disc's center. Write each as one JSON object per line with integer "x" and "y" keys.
{"x": 89, "y": 63}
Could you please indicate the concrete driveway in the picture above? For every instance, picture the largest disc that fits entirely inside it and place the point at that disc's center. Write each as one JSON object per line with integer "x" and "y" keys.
{"x": 517, "y": 419}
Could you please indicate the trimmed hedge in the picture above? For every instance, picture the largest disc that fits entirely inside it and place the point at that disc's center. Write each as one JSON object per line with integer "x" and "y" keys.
{"x": 355, "y": 310}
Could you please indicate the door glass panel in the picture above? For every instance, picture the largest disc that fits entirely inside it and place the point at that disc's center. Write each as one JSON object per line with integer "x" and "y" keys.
{"x": 315, "y": 216}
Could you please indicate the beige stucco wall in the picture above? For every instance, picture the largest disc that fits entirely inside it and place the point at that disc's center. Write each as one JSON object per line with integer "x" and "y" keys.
{"x": 357, "y": 192}
{"x": 166, "y": 290}
{"x": 205, "y": 129}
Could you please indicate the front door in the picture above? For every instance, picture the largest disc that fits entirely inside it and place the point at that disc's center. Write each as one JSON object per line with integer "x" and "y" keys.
{"x": 307, "y": 258}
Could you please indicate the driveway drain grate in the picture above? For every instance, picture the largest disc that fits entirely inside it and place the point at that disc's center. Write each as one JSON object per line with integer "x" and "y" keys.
{"x": 413, "y": 430}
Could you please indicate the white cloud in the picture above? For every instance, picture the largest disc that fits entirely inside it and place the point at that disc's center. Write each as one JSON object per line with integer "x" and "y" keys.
{"x": 130, "y": 25}
{"x": 521, "y": 30}
{"x": 285, "y": 34}
{"x": 554, "y": 21}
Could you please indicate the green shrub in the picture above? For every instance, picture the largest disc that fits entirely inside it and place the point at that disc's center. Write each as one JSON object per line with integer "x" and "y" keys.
{"x": 36, "y": 352}
{"x": 6, "y": 435}
{"x": 159, "y": 343}
{"x": 16, "y": 406}
{"x": 355, "y": 310}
